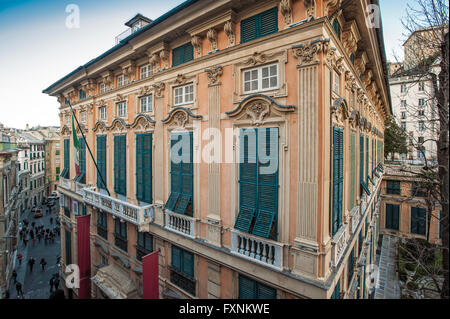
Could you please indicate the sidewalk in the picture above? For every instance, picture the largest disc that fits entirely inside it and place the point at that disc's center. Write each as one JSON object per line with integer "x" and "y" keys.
{"x": 387, "y": 286}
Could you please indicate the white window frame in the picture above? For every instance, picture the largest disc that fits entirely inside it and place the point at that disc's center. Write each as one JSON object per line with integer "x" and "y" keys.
{"x": 67, "y": 119}
{"x": 148, "y": 104}
{"x": 101, "y": 113}
{"x": 103, "y": 88}
{"x": 260, "y": 78}
{"x": 403, "y": 103}
{"x": 75, "y": 208}
{"x": 183, "y": 94}
{"x": 421, "y": 126}
{"x": 422, "y": 102}
{"x": 83, "y": 117}
{"x": 145, "y": 71}
{"x": 403, "y": 88}
{"x": 121, "y": 80}
{"x": 336, "y": 82}
{"x": 118, "y": 109}
{"x": 421, "y": 86}
{"x": 403, "y": 115}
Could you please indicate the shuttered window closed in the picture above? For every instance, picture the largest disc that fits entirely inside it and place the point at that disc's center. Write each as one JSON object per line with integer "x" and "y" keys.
{"x": 338, "y": 178}
{"x": 120, "y": 163}
{"x": 144, "y": 167}
{"x": 259, "y": 25}
{"x": 101, "y": 161}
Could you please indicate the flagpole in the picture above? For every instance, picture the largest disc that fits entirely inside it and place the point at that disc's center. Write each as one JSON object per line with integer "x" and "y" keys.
{"x": 89, "y": 149}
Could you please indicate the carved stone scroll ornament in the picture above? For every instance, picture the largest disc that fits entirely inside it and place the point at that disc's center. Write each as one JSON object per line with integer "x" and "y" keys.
{"x": 164, "y": 55}
{"x": 145, "y": 90}
{"x": 179, "y": 117}
{"x": 256, "y": 58}
{"x": 212, "y": 37}
{"x": 197, "y": 44}
{"x": 308, "y": 53}
{"x": 286, "y": 11}
{"x": 257, "y": 111}
{"x": 339, "y": 110}
{"x": 159, "y": 89}
{"x": 155, "y": 61}
{"x": 310, "y": 6}
{"x": 331, "y": 6}
{"x": 214, "y": 74}
{"x": 229, "y": 31}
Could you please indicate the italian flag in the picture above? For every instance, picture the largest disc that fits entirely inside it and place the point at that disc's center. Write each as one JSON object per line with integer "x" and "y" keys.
{"x": 76, "y": 148}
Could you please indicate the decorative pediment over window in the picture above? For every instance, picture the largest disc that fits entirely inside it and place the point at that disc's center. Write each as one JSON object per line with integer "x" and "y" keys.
{"x": 339, "y": 110}
{"x": 363, "y": 123}
{"x": 118, "y": 125}
{"x": 82, "y": 127}
{"x": 258, "y": 108}
{"x": 143, "y": 122}
{"x": 145, "y": 90}
{"x": 354, "y": 119}
{"x": 100, "y": 127}
{"x": 65, "y": 130}
{"x": 180, "y": 117}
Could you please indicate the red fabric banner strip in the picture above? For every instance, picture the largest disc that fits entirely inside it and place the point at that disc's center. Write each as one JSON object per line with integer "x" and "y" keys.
{"x": 84, "y": 256}
{"x": 150, "y": 280}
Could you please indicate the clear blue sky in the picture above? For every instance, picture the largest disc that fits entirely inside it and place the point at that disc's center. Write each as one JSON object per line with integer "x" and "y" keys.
{"x": 37, "y": 49}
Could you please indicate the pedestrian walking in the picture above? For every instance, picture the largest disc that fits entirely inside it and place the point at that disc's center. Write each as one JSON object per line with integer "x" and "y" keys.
{"x": 19, "y": 256}
{"x": 43, "y": 263}
{"x": 32, "y": 224}
{"x": 39, "y": 236}
{"x": 46, "y": 238}
{"x": 34, "y": 241}
{"x": 19, "y": 290}
{"x": 14, "y": 275}
{"x": 51, "y": 283}
{"x": 25, "y": 240}
{"x": 51, "y": 220}
{"x": 31, "y": 262}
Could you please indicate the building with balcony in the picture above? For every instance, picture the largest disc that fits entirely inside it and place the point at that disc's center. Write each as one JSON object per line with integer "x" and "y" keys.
{"x": 404, "y": 211}
{"x": 286, "y": 206}
{"x": 9, "y": 211}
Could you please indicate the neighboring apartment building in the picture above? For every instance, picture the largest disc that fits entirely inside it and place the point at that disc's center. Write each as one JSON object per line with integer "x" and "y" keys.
{"x": 223, "y": 228}
{"x": 404, "y": 209}
{"x": 9, "y": 211}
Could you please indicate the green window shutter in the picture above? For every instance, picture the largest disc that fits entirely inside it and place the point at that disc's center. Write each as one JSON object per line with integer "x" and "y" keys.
{"x": 248, "y": 179}
{"x": 144, "y": 167}
{"x": 266, "y": 217}
{"x": 120, "y": 158}
{"x": 265, "y": 292}
{"x": 392, "y": 216}
{"x": 176, "y": 258}
{"x": 182, "y": 54}
{"x": 337, "y": 290}
{"x": 418, "y": 221}
{"x": 247, "y": 288}
{"x": 175, "y": 173}
{"x": 352, "y": 169}
{"x": 188, "y": 263}
{"x": 269, "y": 22}
{"x": 337, "y": 28}
{"x": 367, "y": 160}
{"x": 248, "y": 29}
{"x": 338, "y": 178}
{"x": 82, "y": 161}
{"x": 101, "y": 161}
{"x": 259, "y": 25}
{"x": 361, "y": 159}
{"x": 66, "y": 171}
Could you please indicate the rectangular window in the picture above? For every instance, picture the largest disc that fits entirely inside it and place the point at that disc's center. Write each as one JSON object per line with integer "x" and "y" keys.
{"x": 122, "y": 109}
{"x": 182, "y": 269}
{"x": 393, "y": 187}
{"x": 350, "y": 267}
{"x": 403, "y": 115}
{"x": 120, "y": 234}
{"x": 102, "y": 224}
{"x": 144, "y": 167}
{"x": 352, "y": 170}
{"x": 338, "y": 178}
{"x": 421, "y": 112}
{"x": 367, "y": 159}
{"x": 417, "y": 190}
{"x": 82, "y": 95}
{"x": 83, "y": 117}
{"x": 144, "y": 244}
{"x": 101, "y": 161}
{"x": 258, "y": 182}
{"x": 181, "y": 174}
{"x": 120, "y": 163}
{"x": 335, "y": 82}
{"x": 392, "y": 216}
{"x": 251, "y": 289}
{"x": 259, "y": 79}
{"x": 361, "y": 166}
{"x": 421, "y": 86}
{"x": 146, "y": 103}
{"x": 418, "y": 221}
{"x": 120, "y": 80}
{"x": 337, "y": 28}
{"x": 146, "y": 71}
{"x": 421, "y": 125}
{"x": 82, "y": 161}
{"x": 403, "y": 103}
{"x": 421, "y": 102}
{"x": 183, "y": 94}
{"x": 403, "y": 88}
{"x": 102, "y": 111}
{"x": 102, "y": 88}
{"x": 182, "y": 54}
{"x": 67, "y": 119}
{"x": 259, "y": 25}
{"x": 403, "y": 124}
{"x": 65, "y": 172}
{"x": 336, "y": 291}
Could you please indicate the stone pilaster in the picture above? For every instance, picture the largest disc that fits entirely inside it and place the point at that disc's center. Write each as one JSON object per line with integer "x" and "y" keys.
{"x": 158, "y": 144}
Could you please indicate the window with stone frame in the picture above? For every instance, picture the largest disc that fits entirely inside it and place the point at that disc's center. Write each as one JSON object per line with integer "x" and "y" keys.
{"x": 183, "y": 94}
{"x": 145, "y": 71}
{"x": 102, "y": 113}
{"x": 120, "y": 80}
{"x": 122, "y": 109}
{"x": 146, "y": 103}
{"x": 260, "y": 79}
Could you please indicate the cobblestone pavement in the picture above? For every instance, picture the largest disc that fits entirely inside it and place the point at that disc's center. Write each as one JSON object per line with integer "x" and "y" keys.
{"x": 387, "y": 286}
{"x": 35, "y": 285}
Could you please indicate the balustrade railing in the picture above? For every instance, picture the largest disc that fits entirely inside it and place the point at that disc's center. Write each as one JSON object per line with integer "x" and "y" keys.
{"x": 180, "y": 223}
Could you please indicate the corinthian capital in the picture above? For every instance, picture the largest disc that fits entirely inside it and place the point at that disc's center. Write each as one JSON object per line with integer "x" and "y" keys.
{"x": 307, "y": 53}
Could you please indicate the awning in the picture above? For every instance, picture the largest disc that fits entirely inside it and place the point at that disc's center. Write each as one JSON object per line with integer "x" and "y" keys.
{"x": 115, "y": 282}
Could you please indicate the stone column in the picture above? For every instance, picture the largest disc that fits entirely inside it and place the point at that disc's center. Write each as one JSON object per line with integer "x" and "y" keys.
{"x": 213, "y": 235}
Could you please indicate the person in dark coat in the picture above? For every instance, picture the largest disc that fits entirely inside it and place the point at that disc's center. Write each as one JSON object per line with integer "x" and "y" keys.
{"x": 51, "y": 283}
{"x": 56, "y": 282}
{"x": 14, "y": 275}
{"x": 43, "y": 263}
{"x": 31, "y": 262}
{"x": 19, "y": 290}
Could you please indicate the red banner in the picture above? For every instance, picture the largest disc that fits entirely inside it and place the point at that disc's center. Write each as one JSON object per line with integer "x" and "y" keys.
{"x": 150, "y": 281}
{"x": 84, "y": 256}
